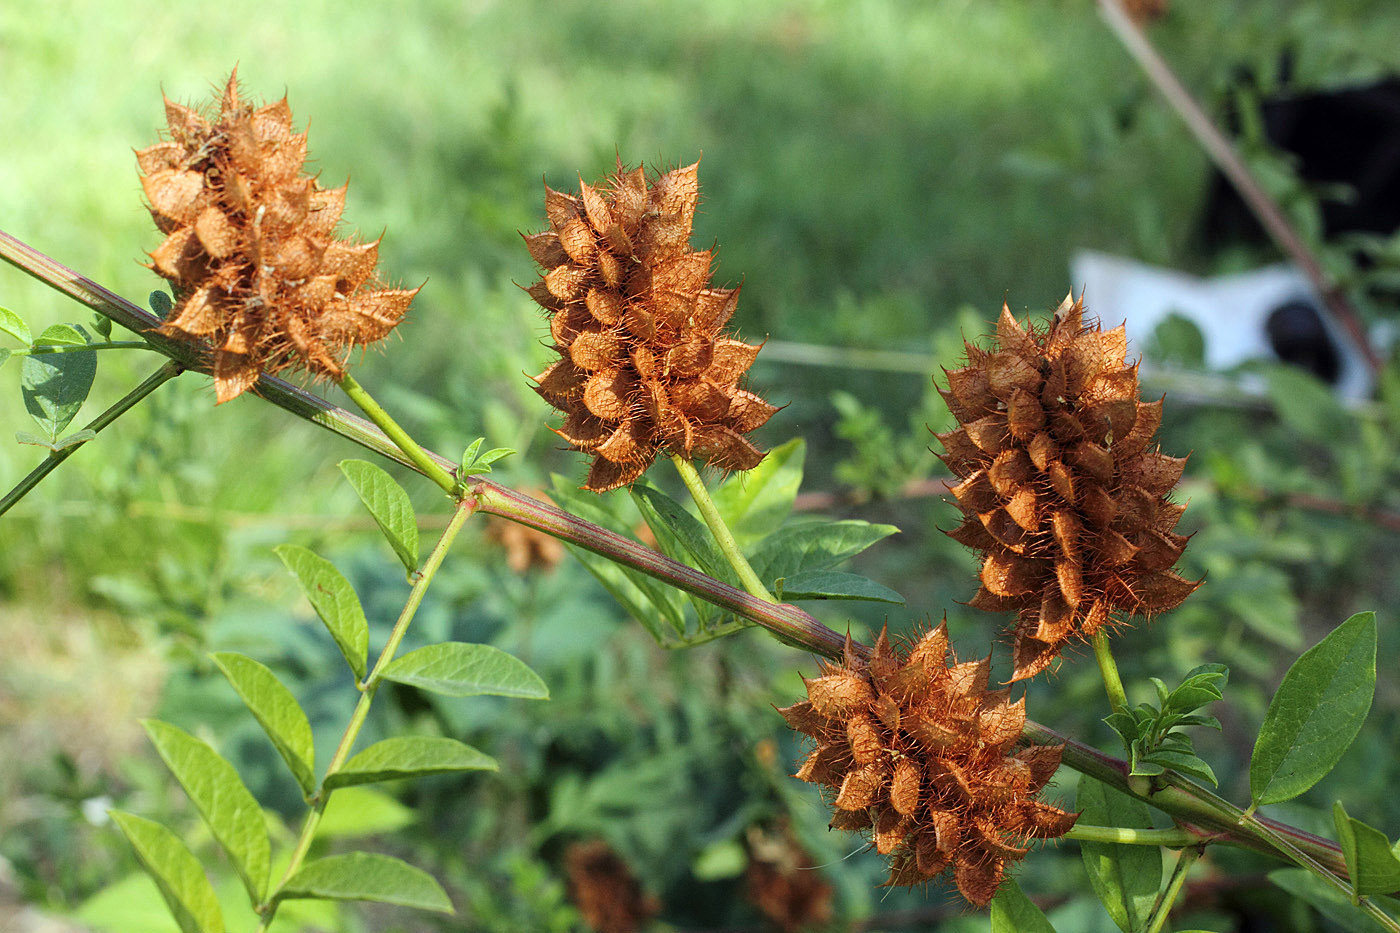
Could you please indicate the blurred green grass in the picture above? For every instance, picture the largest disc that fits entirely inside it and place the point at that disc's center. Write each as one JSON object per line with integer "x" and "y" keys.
{"x": 869, "y": 168}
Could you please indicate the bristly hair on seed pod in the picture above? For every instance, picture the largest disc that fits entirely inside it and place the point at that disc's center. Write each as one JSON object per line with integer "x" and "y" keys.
{"x": 1062, "y": 488}
{"x": 913, "y": 749}
{"x": 645, "y": 365}
{"x": 259, "y": 276}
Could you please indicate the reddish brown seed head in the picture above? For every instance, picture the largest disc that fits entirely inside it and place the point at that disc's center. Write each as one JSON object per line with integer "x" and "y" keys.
{"x": 1061, "y": 484}
{"x": 646, "y": 366}
{"x": 259, "y": 277}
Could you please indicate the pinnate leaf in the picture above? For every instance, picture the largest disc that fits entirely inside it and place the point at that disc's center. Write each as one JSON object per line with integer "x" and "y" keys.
{"x": 276, "y": 710}
{"x": 365, "y": 876}
{"x": 213, "y": 786}
{"x": 409, "y": 756}
{"x": 334, "y": 600}
{"x": 55, "y": 385}
{"x": 457, "y": 669}
{"x": 1316, "y": 712}
{"x": 389, "y": 504}
{"x": 1124, "y": 877}
{"x": 176, "y": 872}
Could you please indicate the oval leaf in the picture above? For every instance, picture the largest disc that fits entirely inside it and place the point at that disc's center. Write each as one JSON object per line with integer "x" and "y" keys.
{"x": 55, "y": 385}
{"x": 1316, "y": 713}
{"x": 276, "y": 710}
{"x": 389, "y": 505}
{"x": 14, "y": 325}
{"x": 334, "y": 600}
{"x": 681, "y": 535}
{"x": 756, "y": 502}
{"x": 814, "y": 546}
{"x": 1125, "y": 878}
{"x": 213, "y": 786}
{"x": 409, "y": 756}
{"x": 364, "y": 876}
{"x": 836, "y": 584}
{"x": 1013, "y": 912}
{"x": 1372, "y": 864}
{"x": 457, "y": 669}
{"x": 177, "y": 873}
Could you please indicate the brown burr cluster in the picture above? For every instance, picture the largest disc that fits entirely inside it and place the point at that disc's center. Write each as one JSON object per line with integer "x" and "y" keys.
{"x": 916, "y": 751}
{"x": 259, "y": 275}
{"x": 1062, "y": 487}
{"x": 645, "y": 366}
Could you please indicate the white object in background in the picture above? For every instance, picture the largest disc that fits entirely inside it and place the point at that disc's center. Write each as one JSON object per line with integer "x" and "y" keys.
{"x": 1232, "y": 311}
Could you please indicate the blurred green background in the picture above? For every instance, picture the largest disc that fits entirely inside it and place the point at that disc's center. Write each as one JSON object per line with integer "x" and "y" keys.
{"x": 879, "y": 175}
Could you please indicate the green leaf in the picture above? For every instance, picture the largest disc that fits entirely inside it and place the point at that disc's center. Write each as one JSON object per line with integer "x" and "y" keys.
{"x": 160, "y": 303}
{"x": 176, "y": 871}
{"x": 4, "y": 355}
{"x": 61, "y": 335}
{"x": 389, "y": 505}
{"x": 26, "y": 437}
{"x": 362, "y": 811}
{"x": 334, "y": 600}
{"x": 681, "y": 535}
{"x": 1371, "y": 862}
{"x": 1330, "y": 903}
{"x": 638, "y": 593}
{"x": 77, "y": 437}
{"x": 14, "y": 325}
{"x": 1124, "y": 877}
{"x": 1013, "y": 912}
{"x": 213, "y": 786}
{"x": 103, "y": 325}
{"x": 1316, "y": 713}
{"x": 1307, "y": 405}
{"x": 836, "y": 584}
{"x": 365, "y": 876}
{"x": 813, "y": 546}
{"x": 409, "y": 756}
{"x": 457, "y": 669}
{"x": 755, "y": 503}
{"x": 55, "y": 385}
{"x": 276, "y": 710}
{"x": 1186, "y": 763}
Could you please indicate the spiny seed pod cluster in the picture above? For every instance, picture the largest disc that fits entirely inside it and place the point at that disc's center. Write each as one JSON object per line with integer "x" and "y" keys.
{"x": 1061, "y": 487}
{"x": 250, "y": 248}
{"x": 645, "y": 366}
{"x": 918, "y": 752}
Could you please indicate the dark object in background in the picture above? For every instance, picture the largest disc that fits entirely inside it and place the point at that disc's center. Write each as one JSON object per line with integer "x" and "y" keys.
{"x": 1349, "y": 136}
{"x": 1299, "y": 337}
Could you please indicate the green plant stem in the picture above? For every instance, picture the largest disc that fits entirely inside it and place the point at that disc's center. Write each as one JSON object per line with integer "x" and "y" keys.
{"x": 322, "y": 796}
{"x": 426, "y": 465}
{"x": 127, "y": 402}
{"x": 722, "y": 535}
{"x": 1171, "y": 838}
{"x": 1163, "y": 908}
{"x": 44, "y": 349}
{"x": 1179, "y": 797}
{"x": 1112, "y": 683}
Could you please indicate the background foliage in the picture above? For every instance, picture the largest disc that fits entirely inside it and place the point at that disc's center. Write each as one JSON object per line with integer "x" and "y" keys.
{"x": 879, "y": 174}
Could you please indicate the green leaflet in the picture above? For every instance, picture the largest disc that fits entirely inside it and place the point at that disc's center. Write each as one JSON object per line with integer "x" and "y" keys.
{"x": 834, "y": 584}
{"x": 1013, "y": 912}
{"x": 55, "y": 385}
{"x": 276, "y": 710}
{"x": 1330, "y": 903}
{"x": 364, "y": 876}
{"x": 409, "y": 756}
{"x": 176, "y": 872}
{"x": 334, "y": 600}
{"x": 680, "y": 534}
{"x": 15, "y": 326}
{"x": 813, "y": 546}
{"x": 1371, "y": 862}
{"x": 458, "y": 669}
{"x": 389, "y": 505}
{"x": 1316, "y": 712}
{"x": 213, "y": 786}
{"x": 1125, "y": 878}
{"x": 755, "y": 503}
